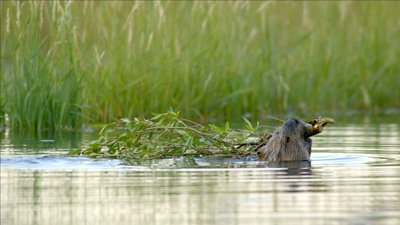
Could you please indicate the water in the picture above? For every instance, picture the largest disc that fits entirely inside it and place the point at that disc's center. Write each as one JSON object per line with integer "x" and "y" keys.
{"x": 353, "y": 178}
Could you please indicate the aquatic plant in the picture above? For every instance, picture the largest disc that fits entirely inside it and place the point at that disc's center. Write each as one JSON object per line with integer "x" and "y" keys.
{"x": 167, "y": 135}
{"x": 41, "y": 87}
{"x": 75, "y": 62}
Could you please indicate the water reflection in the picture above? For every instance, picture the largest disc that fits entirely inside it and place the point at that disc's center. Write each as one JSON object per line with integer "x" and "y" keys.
{"x": 198, "y": 196}
{"x": 353, "y": 178}
{"x": 20, "y": 142}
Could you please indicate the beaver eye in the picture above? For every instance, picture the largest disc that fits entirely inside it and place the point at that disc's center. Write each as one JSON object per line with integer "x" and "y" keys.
{"x": 287, "y": 139}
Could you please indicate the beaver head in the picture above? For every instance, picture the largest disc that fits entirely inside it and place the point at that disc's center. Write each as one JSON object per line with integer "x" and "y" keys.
{"x": 292, "y": 142}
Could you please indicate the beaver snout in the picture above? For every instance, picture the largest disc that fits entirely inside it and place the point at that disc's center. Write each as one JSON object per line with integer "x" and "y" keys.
{"x": 291, "y": 141}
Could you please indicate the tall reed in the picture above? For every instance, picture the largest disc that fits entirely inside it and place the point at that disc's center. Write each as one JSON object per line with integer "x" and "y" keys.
{"x": 42, "y": 85}
{"x": 205, "y": 59}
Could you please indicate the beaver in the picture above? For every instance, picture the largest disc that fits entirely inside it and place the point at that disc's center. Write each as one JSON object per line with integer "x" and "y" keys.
{"x": 291, "y": 142}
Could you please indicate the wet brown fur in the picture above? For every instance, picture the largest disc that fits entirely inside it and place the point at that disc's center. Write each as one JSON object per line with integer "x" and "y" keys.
{"x": 288, "y": 143}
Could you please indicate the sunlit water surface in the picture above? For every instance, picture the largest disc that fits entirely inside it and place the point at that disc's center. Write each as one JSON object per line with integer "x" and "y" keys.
{"x": 353, "y": 178}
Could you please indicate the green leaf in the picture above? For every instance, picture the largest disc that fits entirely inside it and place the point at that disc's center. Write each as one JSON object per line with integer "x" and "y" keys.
{"x": 188, "y": 144}
{"x": 216, "y": 128}
{"x": 180, "y": 131}
{"x": 75, "y": 152}
{"x": 125, "y": 120}
{"x": 249, "y": 126}
{"x": 227, "y": 126}
{"x": 156, "y": 116}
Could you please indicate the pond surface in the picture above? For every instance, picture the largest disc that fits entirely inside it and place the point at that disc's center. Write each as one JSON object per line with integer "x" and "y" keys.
{"x": 353, "y": 178}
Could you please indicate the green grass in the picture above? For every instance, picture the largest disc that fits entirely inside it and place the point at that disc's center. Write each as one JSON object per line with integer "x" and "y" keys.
{"x": 93, "y": 62}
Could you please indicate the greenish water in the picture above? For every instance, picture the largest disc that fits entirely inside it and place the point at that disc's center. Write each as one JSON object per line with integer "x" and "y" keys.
{"x": 353, "y": 178}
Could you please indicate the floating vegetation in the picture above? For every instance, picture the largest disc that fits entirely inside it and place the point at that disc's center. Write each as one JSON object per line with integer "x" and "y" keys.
{"x": 168, "y": 135}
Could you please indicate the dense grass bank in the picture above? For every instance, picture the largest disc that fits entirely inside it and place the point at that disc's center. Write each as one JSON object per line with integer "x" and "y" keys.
{"x": 64, "y": 63}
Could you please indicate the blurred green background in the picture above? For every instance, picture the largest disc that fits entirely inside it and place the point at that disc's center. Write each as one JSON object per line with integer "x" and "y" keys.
{"x": 64, "y": 64}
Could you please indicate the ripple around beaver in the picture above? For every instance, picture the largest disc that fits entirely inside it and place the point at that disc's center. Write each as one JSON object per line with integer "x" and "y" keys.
{"x": 49, "y": 162}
